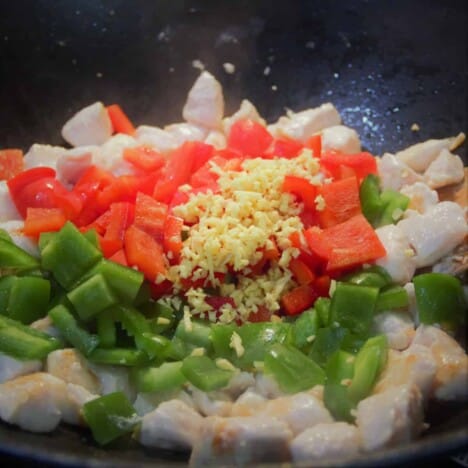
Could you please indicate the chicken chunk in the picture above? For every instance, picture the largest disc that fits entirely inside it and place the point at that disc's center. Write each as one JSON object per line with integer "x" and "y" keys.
{"x": 395, "y": 174}
{"x": 110, "y": 155}
{"x": 302, "y": 125}
{"x": 397, "y": 327}
{"x": 113, "y": 379}
{"x": 421, "y": 155}
{"x": 184, "y": 131}
{"x": 246, "y": 111}
{"x": 341, "y": 138}
{"x": 46, "y": 325}
{"x": 34, "y": 402}
{"x": 15, "y": 229}
{"x": 421, "y": 196}
{"x": 325, "y": 441}
{"x": 77, "y": 397}
{"x": 436, "y": 232}
{"x": 8, "y": 211}
{"x": 399, "y": 261}
{"x": 172, "y": 425}
{"x": 248, "y": 404}
{"x": 239, "y": 441}
{"x": 211, "y": 405}
{"x": 43, "y": 156}
{"x": 205, "y": 102}
{"x": 267, "y": 386}
{"x": 157, "y": 138}
{"x": 216, "y": 139}
{"x": 10, "y": 368}
{"x": 71, "y": 165}
{"x": 390, "y": 417}
{"x": 89, "y": 126}
{"x": 446, "y": 169}
{"x": 451, "y": 378}
{"x": 147, "y": 402}
{"x": 414, "y": 365}
{"x": 70, "y": 366}
{"x": 298, "y": 411}
{"x": 240, "y": 382}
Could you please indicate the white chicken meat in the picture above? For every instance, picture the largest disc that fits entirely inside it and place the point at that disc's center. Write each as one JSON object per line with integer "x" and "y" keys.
{"x": 395, "y": 174}
{"x": 8, "y": 211}
{"x": 110, "y": 155}
{"x": 156, "y": 138}
{"x": 446, "y": 169}
{"x": 421, "y": 196}
{"x": 397, "y": 326}
{"x": 14, "y": 228}
{"x": 436, "y": 232}
{"x": 10, "y": 368}
{"x": 89, "y": 126}
{"x": 72, "y": 164}
{"x": 184, "y": 131}
{"x": 172, "y": 425}
{"x": 246, "y": 111}
{"x": 43, "y": 156}
{"x": 205, "y": 102}
{"x": 326, "y": 441}
{"x": 341, "y": 138}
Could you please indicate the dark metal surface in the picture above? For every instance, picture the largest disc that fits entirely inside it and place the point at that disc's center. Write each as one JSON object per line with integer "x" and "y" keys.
{"x": 384, "y": 64}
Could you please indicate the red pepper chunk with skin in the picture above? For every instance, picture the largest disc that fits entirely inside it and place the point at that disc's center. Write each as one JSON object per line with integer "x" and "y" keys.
{"x": 299, "y": 299}
{"x": 11, "y": 163}
{"x": 249, "y": 138}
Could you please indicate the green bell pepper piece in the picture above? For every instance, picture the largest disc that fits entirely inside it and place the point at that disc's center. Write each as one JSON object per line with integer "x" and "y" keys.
{"x": 221, "y": 337}
{"x": 69, "y": 255}
{"x": 371, "y": 202}
{"x": 292, "y": 369}
{"x": 394, "y": 297}
{"x": 155, "y": 346}
{"x": 24, "y": 343}
{"x": 198, "y": 334}
{"x": 305, "y": 329}
{"x": 91, "y": 297}
{"x": 327, "y": 341}
{"x": 203, "y": 372}
{"x": 322, "y": 306}
{"x": 106, "y": 330}
{"x": 353, "y": 306}
{"x": 4, "y": 235}
{"x": 168, "y": 376}
{"x": 76, "y": 335}
{"x": 338, "y": 402}
{"x": 394, "y": 205}
{"x": 440, "y": 300}
{"x": 119, "y": 357}
{"x": 374, "y": 276}
{"x": 110, "y": 417}
{"x": 161, "y": 317}
{"x": 340, "y": 367}
{"x": 15, "y": 259}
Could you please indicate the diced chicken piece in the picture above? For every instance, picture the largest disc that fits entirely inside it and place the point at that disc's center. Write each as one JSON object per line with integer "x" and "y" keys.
{"x": 45, "y": 325}
{"x": 155, "y": 137}
{"x": 239, "y": 441}
{"x": 298, "y": 411}
{"x": 89, "y": 126}
{"x": 70, "y": 366}
{"x": 239, "y": 383}
{"x": 446, "y": 169}
{"x": 184, "y": 131}
{"x": 43, "y": 156}
{"x": 267, "y": 386}
{"x": 172, "y": 425}
{"x": 248, "y": 404}
{"x": 455, "y": 263}
{"x": 77, "y": 397}
{"x": 215, "y": 404}
{"x": 34, "y": 402}
{"x": 420, "y": 156}
{"x": 10, "y": 368}
{"x": 216, "y": 139}
{"x": 397, "y": 327}
{"x": 246, "y": 111}
{"x": 451, "y": 379}
{"x": 8, "y": 211}
{"x": 113, "y": 379}
{"x": 72, "y": 165}
{"x": 205, "y": 102}
{"x": 110, "y": 155}
{"x": 395, "y": 174}
{"x": 147, "y": 402}
{"x": 391, "y": 417}
{"x": 341, "y": 138}
{"x": 414, "y": 365}
{"x": 421, "y": 196}
{"x": 436, "y": 232}
{"x": 400, "y": 259}
{"x": 302, "y": 125}
{"x": 326, "y": 441}
{"x": 15, "y": 228}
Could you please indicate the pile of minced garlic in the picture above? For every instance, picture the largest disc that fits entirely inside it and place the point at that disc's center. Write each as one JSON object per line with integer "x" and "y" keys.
{"x": 231, "y": 228}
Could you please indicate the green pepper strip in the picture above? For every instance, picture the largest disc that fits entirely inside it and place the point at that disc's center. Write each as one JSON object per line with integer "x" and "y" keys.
{"x": 168, "y": 376}
{"x": 395, "y": 204}
{"x": 394, "y": 297}
{"x": 76, "y": 335}
{"x": 371, "y": 203}
{"x": 110, "y": 417}
{"x": 119, "y": 357}
{"x": 203, "y": 372}
{"x": 15, "y": 259}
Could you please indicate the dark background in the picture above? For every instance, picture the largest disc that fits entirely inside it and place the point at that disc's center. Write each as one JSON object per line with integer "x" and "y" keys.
{"x": 384, "y": 64}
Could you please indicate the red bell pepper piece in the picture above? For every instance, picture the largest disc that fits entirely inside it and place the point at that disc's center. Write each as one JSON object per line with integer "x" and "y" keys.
{"x": 344, "y": 165}
{"x": 144, "y": 252}
{"x": 120, "y": 122}
{"x": 302, "y": 273}
{"x": 150, "y": 216}
{"x": 11, "y": 163}
{"x": 315, "y": 144}
{"x": 121, "y": 217}
{"x": 119, "y": 257}
{"x": 285, "y": 148}
{"x": 302, "y": 188}
{"x": 109, "y": 247}
{"x": 341, "y": 201}
{"x": 262, "y": 315}
{"x": 173, "y": 235}
{"x": 249, "y": 138}
{"x": 299, "y": 299}
{"x": 144, "y": 158}
{"x": 40, "y": 220}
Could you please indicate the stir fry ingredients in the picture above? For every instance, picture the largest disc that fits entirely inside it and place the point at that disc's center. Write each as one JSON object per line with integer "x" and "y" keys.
{"x": 233, "y": 289}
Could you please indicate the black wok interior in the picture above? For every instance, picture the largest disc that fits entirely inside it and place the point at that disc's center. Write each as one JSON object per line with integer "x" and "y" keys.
{"x": 385, "y": 65}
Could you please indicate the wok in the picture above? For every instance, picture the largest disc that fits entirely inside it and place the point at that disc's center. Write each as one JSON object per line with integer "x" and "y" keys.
{"x": 385, "y": 65}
